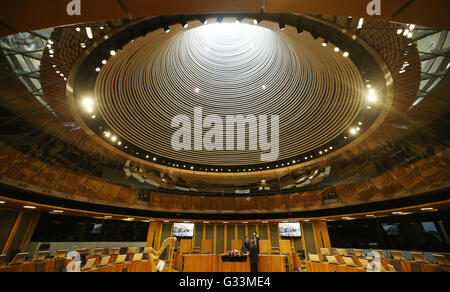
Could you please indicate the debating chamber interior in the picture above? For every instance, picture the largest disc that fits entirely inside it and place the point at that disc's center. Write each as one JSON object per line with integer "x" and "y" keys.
{"x": 225, "y": 136}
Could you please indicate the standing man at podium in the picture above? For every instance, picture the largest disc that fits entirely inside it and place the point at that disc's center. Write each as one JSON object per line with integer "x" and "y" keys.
{"x": 255, "y": 239}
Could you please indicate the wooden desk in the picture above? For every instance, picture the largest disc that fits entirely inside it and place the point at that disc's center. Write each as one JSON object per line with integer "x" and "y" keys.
{"x": 200, "y": 263}
{"x": 234, "y": 267}
{"x": 31, "y": 267}
{"x": 330, "y": 268}
{"x": 138, "y": 267}
{"x": 272, "y": 263}
{"x": 425, "y": 268}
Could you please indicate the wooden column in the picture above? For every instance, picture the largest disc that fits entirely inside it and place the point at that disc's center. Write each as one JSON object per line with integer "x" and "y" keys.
{"x": 215, "y": 239}
{"x": 225, "y": 237}
{"x": 13, "y": 232}
{"x": 154, "y": 234}
{"x": 321, "y": 235}
{"x": 304, "y": 242}
{"x": 28, "y": 231}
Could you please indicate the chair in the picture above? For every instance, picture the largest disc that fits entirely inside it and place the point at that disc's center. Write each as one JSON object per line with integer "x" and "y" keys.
{"x": 325, "y": 251}
{"x": 359, "y": 252}
{"x": 396, "y": 264}
{"x": 40, "y": 267}
{"x": 392, "y": 269}
{"x": 60, "y": 265}
{"x": 416, "y": 268}
{"x": 351, "y": 252}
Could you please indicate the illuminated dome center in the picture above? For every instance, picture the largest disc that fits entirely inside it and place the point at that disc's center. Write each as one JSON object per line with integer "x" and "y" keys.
{"x": 228, "y": 69}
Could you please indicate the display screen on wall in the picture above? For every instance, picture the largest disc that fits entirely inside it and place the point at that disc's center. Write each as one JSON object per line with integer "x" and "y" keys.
{"x": 391, "y": 229}
{"x": 290, "y": 229}
{"x": 183, "y": 230}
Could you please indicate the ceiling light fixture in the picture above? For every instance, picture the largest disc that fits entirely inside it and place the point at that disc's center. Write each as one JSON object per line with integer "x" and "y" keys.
{"x": 166, "y": 28}
{"x": 89, "y": 33}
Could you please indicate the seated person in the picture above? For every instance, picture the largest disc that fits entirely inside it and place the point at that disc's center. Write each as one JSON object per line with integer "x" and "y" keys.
{"x": 246, "y": 245}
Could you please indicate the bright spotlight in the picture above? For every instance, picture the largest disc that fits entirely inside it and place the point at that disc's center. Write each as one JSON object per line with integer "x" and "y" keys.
{"x": 88, "y": 102}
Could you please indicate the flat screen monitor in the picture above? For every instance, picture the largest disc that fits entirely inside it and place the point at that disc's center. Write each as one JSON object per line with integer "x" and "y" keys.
{"x": 290, "y": 229}
{"x": 97, "y": 228}
{"x": 183, "y": 230}
{"x": 391, "y": 229}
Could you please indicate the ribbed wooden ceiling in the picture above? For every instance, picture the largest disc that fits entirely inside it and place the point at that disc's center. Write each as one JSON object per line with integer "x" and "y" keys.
{"x": 229, "y": 69}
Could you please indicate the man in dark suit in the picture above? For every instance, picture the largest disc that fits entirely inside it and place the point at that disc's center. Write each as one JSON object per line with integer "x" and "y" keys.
{"x": 246, "y": 245}
{"x": 255, "y": 239}
{"x": 253, "y": 254}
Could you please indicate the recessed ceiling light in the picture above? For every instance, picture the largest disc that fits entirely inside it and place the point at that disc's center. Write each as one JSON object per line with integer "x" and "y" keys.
{"x": 353, "y": 131}
{"x": 104, "y": 62}
{"x": 58, "y": 211}
{"x": 29, "y": 207}
{"x": 112, "y": 52}
{"x": 89, "y": 33}
{"x": 426, "y": 209}
{"x": 2, "y": 202}
{"x": 346, "y": 54}
{"x": 336, "y": 49}
{"x": 397, "y": 213}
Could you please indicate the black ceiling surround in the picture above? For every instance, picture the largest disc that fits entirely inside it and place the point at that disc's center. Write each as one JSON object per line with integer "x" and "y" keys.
{"x": 153, "y": 76}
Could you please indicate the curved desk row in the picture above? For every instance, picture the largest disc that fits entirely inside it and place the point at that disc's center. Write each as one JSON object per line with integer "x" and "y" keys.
{"x": 136, "y": 267}
{"x": 214, "y": 263}
{"x": 48, "y": 266}
{"x": 406, "y": 267}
